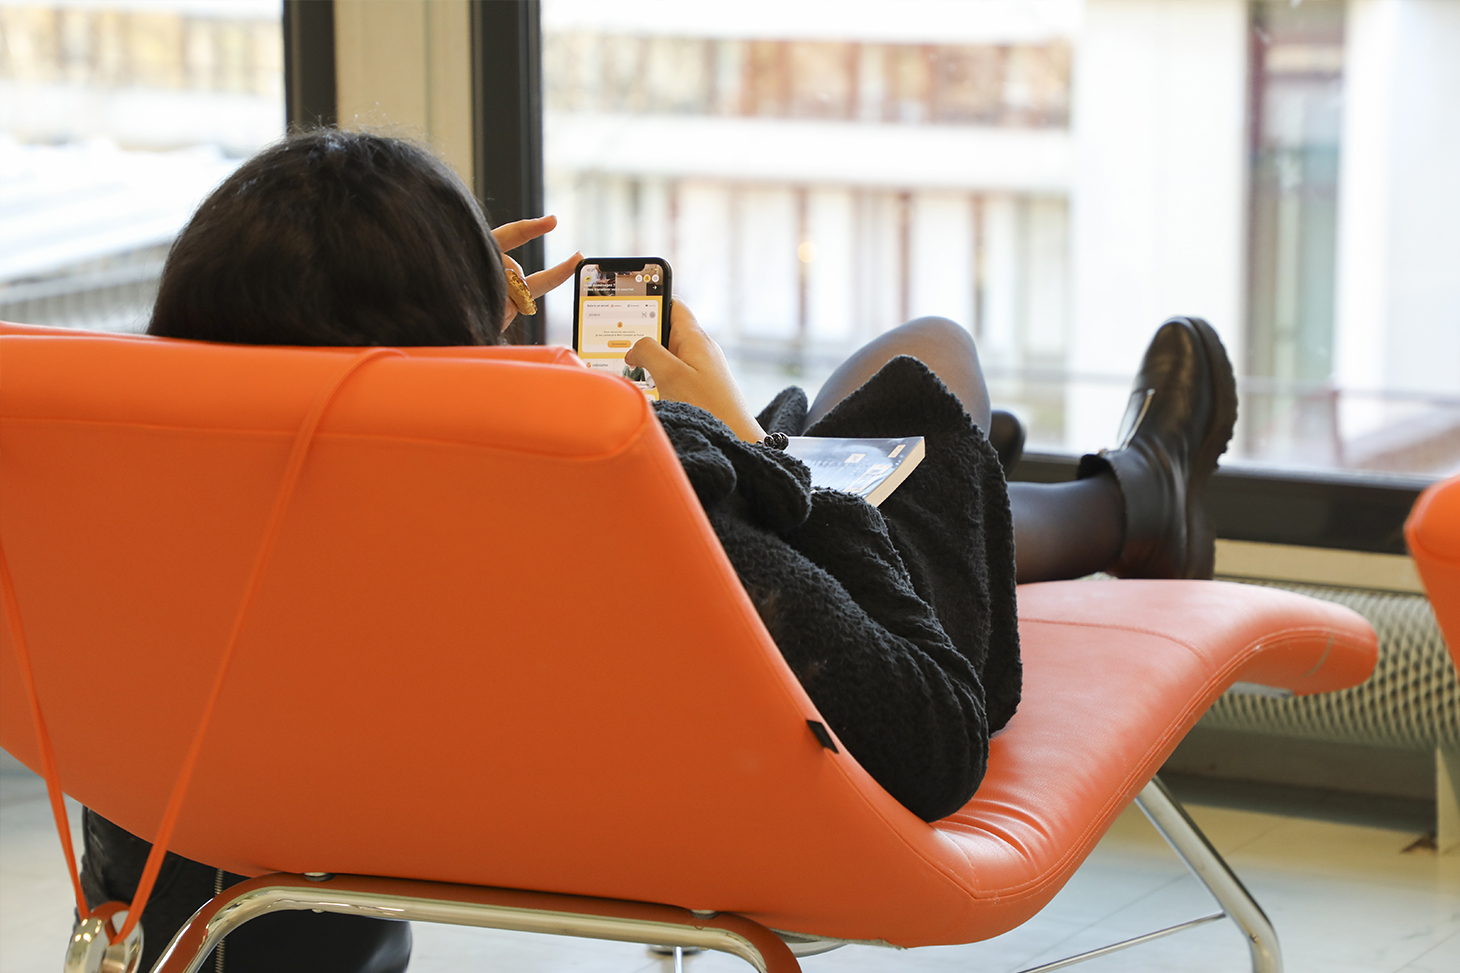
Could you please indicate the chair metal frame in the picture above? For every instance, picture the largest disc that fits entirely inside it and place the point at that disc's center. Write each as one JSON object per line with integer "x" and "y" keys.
{"x": 769, "y": 951}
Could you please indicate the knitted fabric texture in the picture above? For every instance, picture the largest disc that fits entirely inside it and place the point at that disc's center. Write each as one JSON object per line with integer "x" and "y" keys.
{"x": 899, "y": 621}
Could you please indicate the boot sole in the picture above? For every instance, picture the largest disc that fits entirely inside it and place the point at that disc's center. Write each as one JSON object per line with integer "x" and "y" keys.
{"x": 1200, "y": 529}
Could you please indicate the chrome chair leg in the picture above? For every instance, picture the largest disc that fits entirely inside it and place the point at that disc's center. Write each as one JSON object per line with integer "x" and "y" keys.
{"x": 465, "y": 905}
{"x": 566, "y": 915}
{"x": 1170, "y": 819}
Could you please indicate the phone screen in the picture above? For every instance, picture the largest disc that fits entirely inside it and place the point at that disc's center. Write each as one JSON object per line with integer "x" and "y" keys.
{"x": 619, "y": 301}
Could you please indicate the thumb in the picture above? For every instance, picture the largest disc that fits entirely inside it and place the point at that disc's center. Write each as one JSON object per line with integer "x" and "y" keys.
{"x": 650, "y": 354}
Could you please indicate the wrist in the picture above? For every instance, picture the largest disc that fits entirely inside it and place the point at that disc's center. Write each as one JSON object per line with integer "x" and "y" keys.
{"x": 749, "y": 430}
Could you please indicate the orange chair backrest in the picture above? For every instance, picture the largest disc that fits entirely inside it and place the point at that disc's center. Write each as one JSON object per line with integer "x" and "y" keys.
{"x": 1433, "y": 533}
{"x": 497, "y": 641}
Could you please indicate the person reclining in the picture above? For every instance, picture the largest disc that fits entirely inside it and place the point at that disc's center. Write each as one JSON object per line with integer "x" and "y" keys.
{"x": 899, "y": 621}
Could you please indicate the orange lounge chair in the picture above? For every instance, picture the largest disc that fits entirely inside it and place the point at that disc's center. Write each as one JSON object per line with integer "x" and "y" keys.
{"x": 1433, "y": 534}
{"x": 491, "y": 587}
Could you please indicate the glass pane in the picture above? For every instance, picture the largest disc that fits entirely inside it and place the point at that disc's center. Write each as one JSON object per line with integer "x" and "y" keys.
{"x": 116, "y": 118}
{"x": 1058, "y": 176}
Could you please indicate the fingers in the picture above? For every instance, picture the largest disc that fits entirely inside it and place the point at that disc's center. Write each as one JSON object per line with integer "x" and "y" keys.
{"x": 682, "y": 312}
{"x": 545, "y": 280}
{"x": 509, "y": 309}
{"x": 539, "y": 283}
{"x": 683, "y": 326}
{"x": 650, "y": 354}
{"x": 510, "y": 236}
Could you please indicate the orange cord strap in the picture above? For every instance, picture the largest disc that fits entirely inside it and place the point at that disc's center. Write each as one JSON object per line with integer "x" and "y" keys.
{"x": 297, "y": 455}
{"x": 48, "y": 757}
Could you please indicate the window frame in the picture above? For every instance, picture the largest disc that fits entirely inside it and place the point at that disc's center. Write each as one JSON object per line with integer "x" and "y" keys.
{"x": 1337, "y": 511}
{"x": 1344, "y": 511}
{"x": 506, "y": 79}
{"x": 309, "y": 64}
{"x": 506, "y": 106}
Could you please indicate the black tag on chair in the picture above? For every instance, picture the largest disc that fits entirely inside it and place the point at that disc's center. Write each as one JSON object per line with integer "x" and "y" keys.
{"x": 823, "y": 735}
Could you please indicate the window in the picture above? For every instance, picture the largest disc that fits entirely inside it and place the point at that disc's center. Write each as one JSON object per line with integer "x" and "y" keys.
{"x": 1296, "y": 128}
{"x": 813, "y": 191}
{"x": 116, "y": 119}
{"x": 1058, "y": 177}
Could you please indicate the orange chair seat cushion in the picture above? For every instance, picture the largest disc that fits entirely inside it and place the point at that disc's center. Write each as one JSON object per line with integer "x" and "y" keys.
{"x": 1116, "y": 673}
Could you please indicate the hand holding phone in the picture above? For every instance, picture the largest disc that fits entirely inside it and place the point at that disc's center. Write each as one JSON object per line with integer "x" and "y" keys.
{"x": 693, "y": 369}
{"x": 617, "y": 301}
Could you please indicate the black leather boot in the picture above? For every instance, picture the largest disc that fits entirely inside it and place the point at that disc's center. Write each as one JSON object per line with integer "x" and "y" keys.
{"x": 1182, "y": 408}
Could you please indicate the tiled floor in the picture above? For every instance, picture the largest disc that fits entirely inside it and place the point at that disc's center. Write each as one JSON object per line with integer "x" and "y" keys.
{"x": 1344, "y": 898}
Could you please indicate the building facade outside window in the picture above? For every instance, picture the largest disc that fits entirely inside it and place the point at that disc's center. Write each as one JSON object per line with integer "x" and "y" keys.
{"x": 1058, "y": 176}
{"x": 116, "y": 118}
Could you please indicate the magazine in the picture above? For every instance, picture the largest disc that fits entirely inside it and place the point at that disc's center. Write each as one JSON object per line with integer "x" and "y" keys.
{"x": 868, "y": 468}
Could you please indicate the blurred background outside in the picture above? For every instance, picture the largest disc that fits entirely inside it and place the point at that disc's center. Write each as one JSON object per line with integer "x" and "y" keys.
{"x": 116, "y": 119}
{"x": 1058, "y": 176}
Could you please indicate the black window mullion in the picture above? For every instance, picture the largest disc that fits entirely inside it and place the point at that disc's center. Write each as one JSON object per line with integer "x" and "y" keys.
{"x": 309, "y": 64}
{"x": 506, "y": 58}
{"x": 1351, "y": 512}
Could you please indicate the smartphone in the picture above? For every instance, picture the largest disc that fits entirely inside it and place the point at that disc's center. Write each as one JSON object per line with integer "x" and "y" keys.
{"x": 617, "y": 301}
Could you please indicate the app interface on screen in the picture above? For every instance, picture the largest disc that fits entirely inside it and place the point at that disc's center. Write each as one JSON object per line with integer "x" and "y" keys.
{"x": 616, "y": 309}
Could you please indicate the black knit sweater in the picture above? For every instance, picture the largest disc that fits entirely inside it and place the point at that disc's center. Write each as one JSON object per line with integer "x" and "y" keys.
{"x": 898, "y": 621}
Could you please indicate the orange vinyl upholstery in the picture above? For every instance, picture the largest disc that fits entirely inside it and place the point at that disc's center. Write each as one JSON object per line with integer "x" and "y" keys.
{"x": 1433, "y": 533}
{"x": 496, "y": 621}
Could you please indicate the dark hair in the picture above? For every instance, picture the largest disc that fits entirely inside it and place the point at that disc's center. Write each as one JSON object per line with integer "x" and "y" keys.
{"x": 335, "y": 238}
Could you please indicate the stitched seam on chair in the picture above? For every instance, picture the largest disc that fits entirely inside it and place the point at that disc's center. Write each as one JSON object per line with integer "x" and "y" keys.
{"x": 948, "y": 874}
{"x": 563, "y": 356}
{"x": 1104, "y": 626}
{"x": 1088, "y": 836}
{"x": 1187, "y": 718}
{"x": 628, "y": 443}
{"x": 1303, "y": 630}
{"x": 1327, "y": 651}
{"x": 1416, "y": 547}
